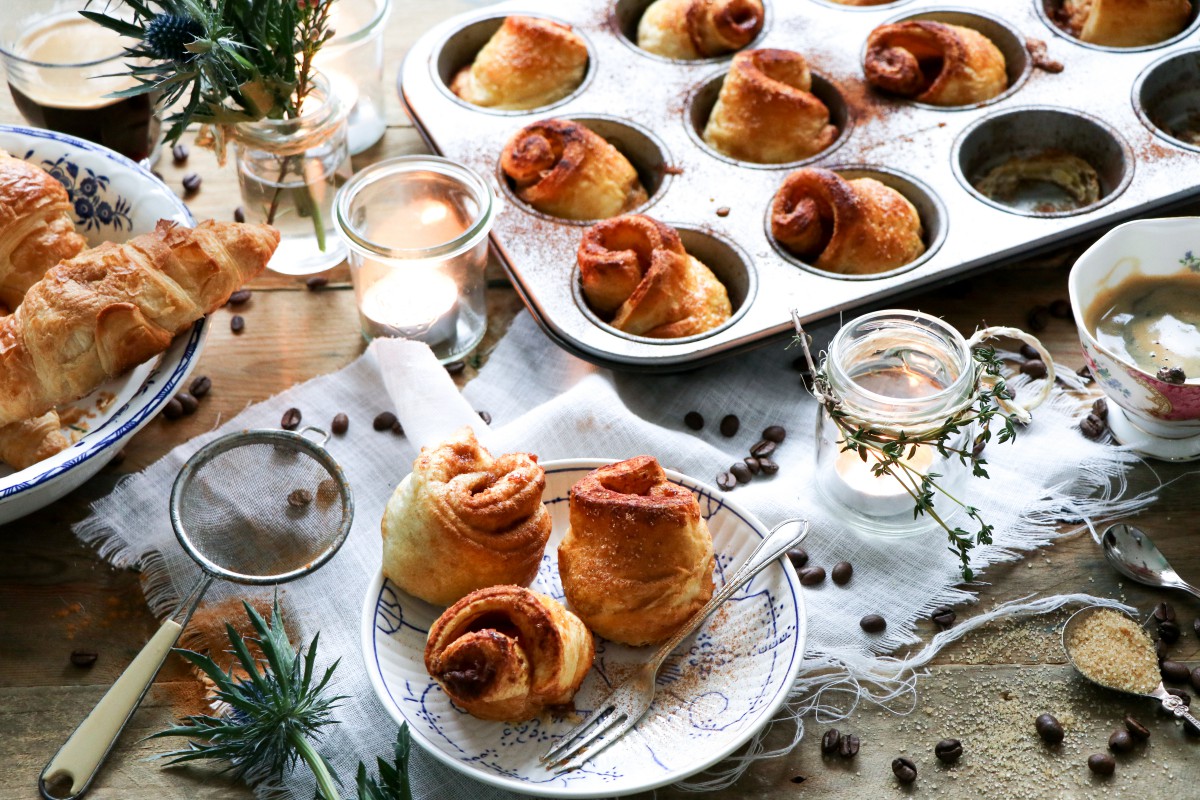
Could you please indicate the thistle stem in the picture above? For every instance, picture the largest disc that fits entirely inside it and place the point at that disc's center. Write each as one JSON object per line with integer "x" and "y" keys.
{"x": 325, "y": 782}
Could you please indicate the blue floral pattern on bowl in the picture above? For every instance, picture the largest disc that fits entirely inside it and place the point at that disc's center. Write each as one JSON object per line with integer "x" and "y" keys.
{"x": 90, "y": 195}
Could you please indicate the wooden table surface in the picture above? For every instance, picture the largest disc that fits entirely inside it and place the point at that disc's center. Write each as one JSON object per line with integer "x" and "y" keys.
{"x": 57, "y": 596}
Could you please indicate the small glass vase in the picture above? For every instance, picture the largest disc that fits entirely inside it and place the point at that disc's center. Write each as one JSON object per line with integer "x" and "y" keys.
{"x": 289, "y": 171}
{"x": 353, "y": 62}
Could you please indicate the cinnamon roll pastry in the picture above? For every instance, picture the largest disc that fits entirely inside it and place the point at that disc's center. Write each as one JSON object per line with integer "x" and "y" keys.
{"x": 564, "y": 169}
{"x": 637, "y": 561}
{"x": 636, "y": 272}
{"x": 505, "y": 653}
{"x": 691, "y": 29}
{"x": 464, "y": 520}
{"x": 1123, "y": 23}
{"x": 932, "y": 62}
{"x": 528, "y": 62}
{"x": 853, "y": 227}
{"x": 766, "y": 112}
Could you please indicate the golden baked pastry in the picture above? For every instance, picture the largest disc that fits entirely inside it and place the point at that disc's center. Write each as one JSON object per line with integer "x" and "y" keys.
{"x": 766, "y": 112}
{"x": 636, "y": 273}
{"x": 691, "y": 29}
{"x": 1123, "y": 23}
{"x": 854, "y": 227}
{"x": 464, "y": 521}
{"x": 564, "y": 169}
{"x": 529, "y": 62}
{"x": 23, "y": 444}
{"x": 863, "y": 2}
{"x": 97, "y": 315}
{"x": 36, "y": 231}
{"x": 932, "y": 62}
{"x": 505, "y": 653}
{"x": 637, "y": 561}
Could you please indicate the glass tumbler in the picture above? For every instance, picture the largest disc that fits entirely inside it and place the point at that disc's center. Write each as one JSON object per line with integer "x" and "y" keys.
{"x": 353, "y": 62}
{"x": 416, "y": 228}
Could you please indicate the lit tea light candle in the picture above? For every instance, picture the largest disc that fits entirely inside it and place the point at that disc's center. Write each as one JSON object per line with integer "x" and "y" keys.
{"x": 417, "y": 303}
{"x": 879, "y": 495}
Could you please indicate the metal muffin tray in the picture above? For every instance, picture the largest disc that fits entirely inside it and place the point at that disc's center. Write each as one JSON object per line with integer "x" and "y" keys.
{"x": 1106, "y": 106}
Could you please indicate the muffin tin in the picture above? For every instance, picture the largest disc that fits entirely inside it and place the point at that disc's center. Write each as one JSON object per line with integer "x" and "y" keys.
{"x": 1106, "y": 105}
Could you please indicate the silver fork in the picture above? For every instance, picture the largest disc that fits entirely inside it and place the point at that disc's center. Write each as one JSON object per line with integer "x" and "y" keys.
{"x": 630, "y": 701}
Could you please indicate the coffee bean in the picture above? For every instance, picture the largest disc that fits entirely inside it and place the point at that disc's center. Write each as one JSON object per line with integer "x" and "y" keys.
{"x": 1120, "y": 741}
{"x": 873, "y": 623}
{"x": 798, "y": 556}
{"x": 237, "y": 324}
{"x": 1164, "y": 612}
{"x": 769, "y": 467}
{"x": 1084, "y": 372}
{"x": 1102, "y": 763}
{"x": 943, "y": 616}
{"x": 848, "y": 748}
{"x": 904, "y": 769}
{"x": 291, "y": 419}
{"x": 1174, "y": 672}
{"x": 1136, "y": 729}
{"x": 830, "y": 741}
{"x": 239, "y": 214}
{"x": 841, "y": 572}
{"x": 1172, "y": 375}
{"x": 316, "y": 283}
{"x": 693, "y": 420}
{"x": 723, "y": 211}
{"x": 726, "y": 481}
{"x": 1092, "y": 427}
{"x": 1034, "y": 369}
{"x": 299, "y": 498}
{"x": 1049, "y": 728}
{"x": 201, "y": 386}
{"x": 1160, "y": 650}
{"x": 1037, "y": 319}
{"x": 191, "y": 183}
{"x": 1169, "y": 632}
{"x": 179, "y": 153}
{"x": 1029, "y": 352}
{"x": 239, "y": 297}
{"x": 775, "y": 433}
{"x": 1100, "y": 409}
{"x": 384, "y": 421}
{"x": 812, "y": 576}
{"x": 188, "y": 402}
{"x": 1195, "y": 678}
{"x": 730, "y": 425}
{"x": 485, "y": 416}
{"x": 753, "y": 464}
{"x": 173, "y": 409}
{"x": 762, "y": 448}
{"x": 948, "y": 750}
{"x": 1061, "y": 309}
{"x": 741, "y": 472}
{"x": 341, "y": 424}
{"x": 83, "y": 658}
{"x": 455, "y": 367}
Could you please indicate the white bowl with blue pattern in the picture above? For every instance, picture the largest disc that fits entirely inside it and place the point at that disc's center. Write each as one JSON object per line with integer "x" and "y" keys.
{"x": 721, "y": 685}
{"x": 113, "y": 199}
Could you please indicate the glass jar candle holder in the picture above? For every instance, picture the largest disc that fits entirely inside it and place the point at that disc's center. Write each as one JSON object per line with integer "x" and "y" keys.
{"x": 417, "y": 232}
{"x": 353, "y": 62}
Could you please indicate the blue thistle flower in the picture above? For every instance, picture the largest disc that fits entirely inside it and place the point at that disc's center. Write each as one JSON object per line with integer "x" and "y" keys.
{"x": 168, "y": 35}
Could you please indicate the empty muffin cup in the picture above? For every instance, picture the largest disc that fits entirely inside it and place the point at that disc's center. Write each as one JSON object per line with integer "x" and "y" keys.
{"x": 1166, "y": 96}
{"x": 627, "y": 14}
{"x": 704, "y": 97}
{"x": 1040, "y": 161}
{"x": 849, "y": 6}
{"x": 727, "y": 260}
{"x": 1051, "y": 13}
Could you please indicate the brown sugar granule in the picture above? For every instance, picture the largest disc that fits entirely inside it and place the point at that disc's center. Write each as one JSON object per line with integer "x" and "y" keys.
{"x": 1112, "y": 650}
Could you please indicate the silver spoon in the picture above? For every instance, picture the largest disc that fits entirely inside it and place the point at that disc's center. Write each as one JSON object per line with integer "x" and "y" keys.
{"x": 1132, "y": 554}
{"x": 1170, "y": 702}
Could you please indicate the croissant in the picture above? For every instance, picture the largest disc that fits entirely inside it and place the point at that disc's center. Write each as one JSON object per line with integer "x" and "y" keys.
{"x": 36, "y": 231}
{"x": 109, "y": 309}
{"x": 505, "y": 653}
{"x": 854, "y": 227}
{"x": 464, "y": 521}
{"x": 766, "y": 112}
{"x": 1123, "y": 23}
{"x": 636, "y": 270}
{"x": 691, "y": 29}
{"x": 637, "y": 561}
{"x": 936, "y": 63}
{"x": 528, "y": 62}
{"x": 563, "y": 169}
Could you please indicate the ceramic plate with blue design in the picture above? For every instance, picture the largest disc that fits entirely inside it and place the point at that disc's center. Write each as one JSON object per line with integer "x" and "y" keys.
{"x": 113, "y": 199}
{"x": 718, "y": 688}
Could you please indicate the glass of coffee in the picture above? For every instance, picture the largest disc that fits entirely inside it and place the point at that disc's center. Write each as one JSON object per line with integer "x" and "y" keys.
{"x": 61, "y": 70}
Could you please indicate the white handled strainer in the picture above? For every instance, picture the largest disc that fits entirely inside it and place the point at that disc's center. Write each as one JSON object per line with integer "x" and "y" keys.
{"x": 256, "y": 507}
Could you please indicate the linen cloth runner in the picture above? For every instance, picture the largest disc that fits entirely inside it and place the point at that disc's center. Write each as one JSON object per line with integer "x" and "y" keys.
{"x": 545, "y": 401}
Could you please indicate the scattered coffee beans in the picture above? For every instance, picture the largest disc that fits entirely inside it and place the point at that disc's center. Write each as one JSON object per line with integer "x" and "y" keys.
{"x": 1120, "y": 741}
{"x": 1061, "y": 309}
{"x": 812, "y": 576}
{"x": 299, "y": 498}
{"x": 1164, "y": 612}
{"x": 1037, "y": 319}
{"x": 173, "y": 409}
{"x": 741, "y": 472}
{"x": 726, "y": 481}
{"x": 179, "y": 153}
{"x": 904, "y": 769}
{"x": 769, "y": 467}
{"x": 1174, "y": 375}
{"x": 341, "y": 424}
{"x": 1195, "y": 677}
{"x": 1029, "y": 353}
{"x": 384, "y": 421}
{"x": 455, "y": 367}
{"x": 848, "y": 748}
{"x": 873, "y": 623}
{"x": 842, "y": 571}
{"x": 1174, "y": 672}
{"x": 723, "y": 211}
{"x": 239, "y": 214}
{"x": 1034, "y": 368}
{"x": 753, "y": 464}
{"x": 191, "y": 183}
{"x": 83, "y": 658}
{"x": 693, "y": 420}
{"x": 239, "y": 297}
{"x": 201, "y": 386}
{"x": 775, "y": 433}
{"x": 1049, "y": 728}
{"x": 763, "y": 448}
{"x": 1160, "y": 650}
{"x": 798, "y": 556}
{"x": 291, "y": 419}
{"x": 1169, "y": 631}
{"x": 1136, "y": 729}
{"x": 1102, "y": 763}
{"x": 237, "y": 324}
{"x": 188, "y": 403}
{"x": 943, "y": 616}
{"x": 485, "y": 416}
{"x": 730, "y": 425}
{"x": 316, "y": 283}
{"x": 1092, "y": 427}
{"x": 1100, "y": 408}
{"x": 948, "y": 750}
{"x": 830, "y": 741}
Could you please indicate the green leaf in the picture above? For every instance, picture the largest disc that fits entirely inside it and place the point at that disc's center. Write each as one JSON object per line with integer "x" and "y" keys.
{"x": 113, "y": 24}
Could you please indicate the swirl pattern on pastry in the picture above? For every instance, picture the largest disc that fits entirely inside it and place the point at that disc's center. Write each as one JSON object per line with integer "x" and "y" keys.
{"x": 932, "y": 62}
{"x": 464, "y": 520}
{"x": 505, "y": 653}
{"x": 692, "y": 29}
{"x": 766, "y": 112}
{"x": 1123, "y": 23}
{"x": 528, "y": 63}
{"x": 853, "y": 227}
{"x": 564, "y": 169}
{"x": 635, "y": 269}
{"x": 637, "y": 561}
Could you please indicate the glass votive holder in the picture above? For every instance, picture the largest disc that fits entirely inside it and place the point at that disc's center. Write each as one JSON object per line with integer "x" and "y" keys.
{"x": 416, "y": 228}
{"x": 353, "y": 62}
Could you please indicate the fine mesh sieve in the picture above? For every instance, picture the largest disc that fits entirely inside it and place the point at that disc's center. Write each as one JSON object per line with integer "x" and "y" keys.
{"x": 256, "y": 507}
